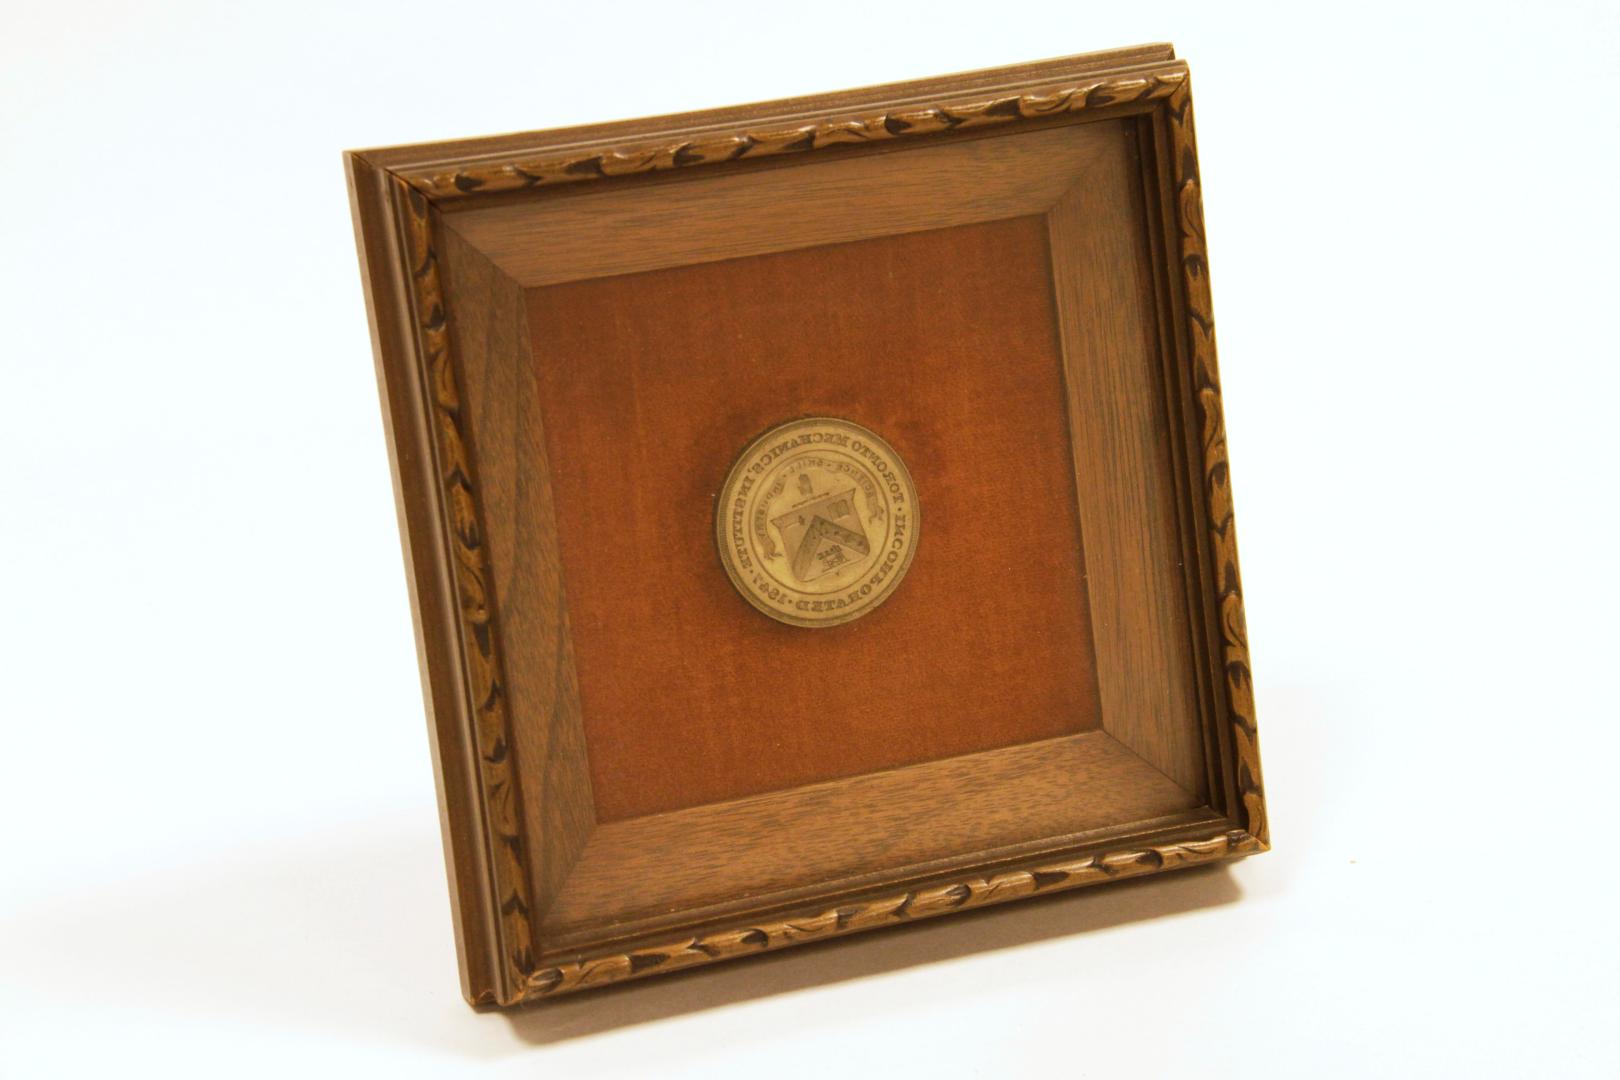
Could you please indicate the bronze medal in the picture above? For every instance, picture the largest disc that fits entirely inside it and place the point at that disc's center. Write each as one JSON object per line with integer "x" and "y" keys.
{"x": 817, "y": 522}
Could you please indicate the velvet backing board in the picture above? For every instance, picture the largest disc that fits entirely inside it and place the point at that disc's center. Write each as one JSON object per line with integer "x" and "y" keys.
{"x": 999, "y": 275}
{"x": 690, "y": 699}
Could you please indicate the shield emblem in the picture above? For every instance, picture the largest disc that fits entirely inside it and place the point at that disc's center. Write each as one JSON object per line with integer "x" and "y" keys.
{"x": 822, "y": 534}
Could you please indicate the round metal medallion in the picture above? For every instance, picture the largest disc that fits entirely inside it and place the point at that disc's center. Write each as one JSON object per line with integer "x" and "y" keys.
{"x": 817, "y": 522}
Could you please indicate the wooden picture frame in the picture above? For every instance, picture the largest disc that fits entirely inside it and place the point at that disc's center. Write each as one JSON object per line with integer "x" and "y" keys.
{"x": 1073, "y": 702}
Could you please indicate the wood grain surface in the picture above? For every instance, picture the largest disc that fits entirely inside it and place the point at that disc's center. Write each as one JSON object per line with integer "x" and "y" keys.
{"x": 488, "y": 333}
{"x": 600, "y": 233}
{"x": 1123, "y": 463}
{"x": 911, "y": 822}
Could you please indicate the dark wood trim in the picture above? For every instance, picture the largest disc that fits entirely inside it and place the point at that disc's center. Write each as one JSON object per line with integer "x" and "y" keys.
{"x": 768, "y": 136}
{"x": 1234, "y": 708}
{"x": 384, "y": 269}
{"x": 853, "y": 914}
{"x": 431, "y": 157}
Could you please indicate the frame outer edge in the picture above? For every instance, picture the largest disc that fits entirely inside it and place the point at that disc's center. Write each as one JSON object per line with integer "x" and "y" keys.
{"x": 414, "y": 193}
{"x": 1200, "y": 341}
{"x": 890, "y": 910}
{"x": 769, "y": 137}
{"x": 382, "y": 269}
{"x": 483, "y": 676}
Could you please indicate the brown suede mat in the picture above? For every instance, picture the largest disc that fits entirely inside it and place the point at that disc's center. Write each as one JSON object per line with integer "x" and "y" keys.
{"x": 944, "y": 343}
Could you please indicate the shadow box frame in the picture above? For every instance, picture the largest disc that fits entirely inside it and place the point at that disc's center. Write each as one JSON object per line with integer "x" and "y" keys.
{"x": 451, "y": 234}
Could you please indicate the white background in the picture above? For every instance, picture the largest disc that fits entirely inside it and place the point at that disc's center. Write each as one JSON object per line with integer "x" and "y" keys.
{"x": 219, "y": 853}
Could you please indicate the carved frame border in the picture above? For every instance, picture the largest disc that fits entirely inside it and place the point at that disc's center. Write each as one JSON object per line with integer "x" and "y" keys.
{"x": 415, "y": 192}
